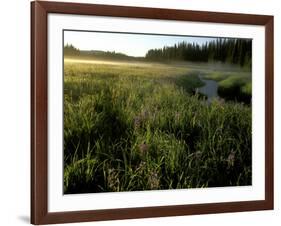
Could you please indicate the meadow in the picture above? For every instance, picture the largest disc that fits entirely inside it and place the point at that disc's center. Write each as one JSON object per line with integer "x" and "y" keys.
{"x": 132, "y": 126}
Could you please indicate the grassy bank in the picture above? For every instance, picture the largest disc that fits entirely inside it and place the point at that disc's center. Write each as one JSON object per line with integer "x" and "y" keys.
{"x": 233, "y": 86}
{"x": 138, "y": 127}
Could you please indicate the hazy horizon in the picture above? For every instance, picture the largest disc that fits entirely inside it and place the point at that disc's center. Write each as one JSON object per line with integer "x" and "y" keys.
{"x": 135, "y": 45}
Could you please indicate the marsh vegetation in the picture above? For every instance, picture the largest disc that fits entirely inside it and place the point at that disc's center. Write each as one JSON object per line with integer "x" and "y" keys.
{"x": 139, "y": 124}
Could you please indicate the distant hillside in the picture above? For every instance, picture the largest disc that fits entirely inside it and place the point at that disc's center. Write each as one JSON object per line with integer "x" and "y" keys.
{"x": 106, "y": 55}
{"x": 70, "y": 50}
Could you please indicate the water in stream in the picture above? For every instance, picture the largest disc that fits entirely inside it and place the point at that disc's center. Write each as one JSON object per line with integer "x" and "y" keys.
{"x": 210, "y": 89}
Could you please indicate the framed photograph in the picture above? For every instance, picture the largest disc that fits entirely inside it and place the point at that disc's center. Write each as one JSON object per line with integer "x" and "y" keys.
{"x": 148, "y": 112}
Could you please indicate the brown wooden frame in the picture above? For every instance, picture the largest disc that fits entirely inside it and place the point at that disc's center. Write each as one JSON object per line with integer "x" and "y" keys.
{"x": 39, "y": 117}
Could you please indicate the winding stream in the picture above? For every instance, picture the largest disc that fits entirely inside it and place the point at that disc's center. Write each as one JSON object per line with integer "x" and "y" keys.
{"x": 210, "y": 89}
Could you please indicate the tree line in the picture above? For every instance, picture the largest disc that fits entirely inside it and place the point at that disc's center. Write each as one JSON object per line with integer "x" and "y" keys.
{"x": 70, "y": 50}
{"x": 236, "y": 51}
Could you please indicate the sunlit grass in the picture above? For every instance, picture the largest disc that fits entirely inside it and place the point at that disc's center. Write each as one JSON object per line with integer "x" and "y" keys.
{"x": 133, "y": 127}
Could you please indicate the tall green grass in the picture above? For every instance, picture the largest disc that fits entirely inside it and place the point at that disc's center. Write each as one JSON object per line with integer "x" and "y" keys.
{"x": 130, "y": 128}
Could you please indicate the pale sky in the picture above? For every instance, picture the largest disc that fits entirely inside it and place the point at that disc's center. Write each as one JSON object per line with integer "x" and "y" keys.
{"x": 129, "y": 44}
